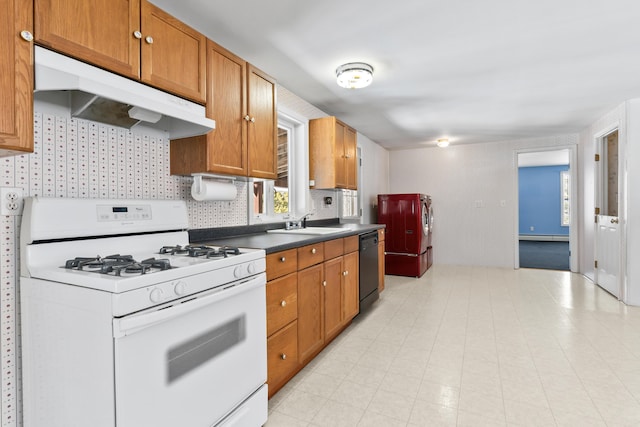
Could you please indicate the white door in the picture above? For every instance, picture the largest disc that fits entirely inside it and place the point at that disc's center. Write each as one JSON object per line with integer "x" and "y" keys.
{"x": 607, "y": 236}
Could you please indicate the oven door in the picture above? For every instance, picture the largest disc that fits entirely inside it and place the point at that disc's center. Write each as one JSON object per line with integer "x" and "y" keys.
{"x": 192, "y": 363}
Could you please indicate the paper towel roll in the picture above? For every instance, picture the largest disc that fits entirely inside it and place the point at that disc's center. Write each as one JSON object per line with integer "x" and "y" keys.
{"x": 203, "y": 189}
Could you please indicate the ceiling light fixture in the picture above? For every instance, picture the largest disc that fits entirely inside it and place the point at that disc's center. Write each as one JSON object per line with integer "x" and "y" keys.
{"x": 443, "y": 142}
{"x": 354, "y": 75}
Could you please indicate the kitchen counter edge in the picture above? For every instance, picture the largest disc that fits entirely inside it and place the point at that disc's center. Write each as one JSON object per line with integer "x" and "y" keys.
{"x": 274, "y": 242}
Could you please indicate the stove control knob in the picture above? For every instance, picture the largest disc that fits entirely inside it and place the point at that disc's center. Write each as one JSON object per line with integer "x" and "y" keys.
{"x": 180, "y": 288}
{"x": 156, "y": 295}
{"x": 237, "y": 272}
{"x": 251, "y": 268}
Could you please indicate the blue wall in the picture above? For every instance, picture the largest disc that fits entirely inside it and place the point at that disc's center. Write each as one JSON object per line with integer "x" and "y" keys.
{"x": 539, "y": 195}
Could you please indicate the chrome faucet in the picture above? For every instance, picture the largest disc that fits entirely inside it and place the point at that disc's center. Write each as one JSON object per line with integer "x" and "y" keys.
{"x": 303, "y": 221}
{"x": 295, "y": 224}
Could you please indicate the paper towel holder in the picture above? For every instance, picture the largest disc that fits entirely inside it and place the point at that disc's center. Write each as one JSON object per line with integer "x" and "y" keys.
{"x": 198, "y": 182}
{"x": 221, "y": 178}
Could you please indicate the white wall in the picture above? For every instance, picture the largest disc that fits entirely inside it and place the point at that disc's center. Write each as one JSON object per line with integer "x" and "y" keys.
{"x": 474, "y": 191}
{"x": 375, "y": 177}
{"x": 631, "y": 175}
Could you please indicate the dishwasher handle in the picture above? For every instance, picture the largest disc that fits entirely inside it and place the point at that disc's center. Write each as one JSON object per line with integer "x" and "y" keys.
{"x": 133, "y": 323}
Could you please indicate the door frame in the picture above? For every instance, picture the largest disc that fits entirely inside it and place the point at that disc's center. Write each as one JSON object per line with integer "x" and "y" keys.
{"x": 574, "y": 227}
{"x": 622, "y": 199}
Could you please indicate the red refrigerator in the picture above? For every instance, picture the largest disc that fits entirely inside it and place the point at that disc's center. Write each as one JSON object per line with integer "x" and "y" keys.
{"x": 409, "y": 222}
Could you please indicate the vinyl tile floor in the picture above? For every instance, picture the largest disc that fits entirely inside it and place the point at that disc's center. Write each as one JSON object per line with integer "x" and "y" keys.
{"x": 476, "y": 346}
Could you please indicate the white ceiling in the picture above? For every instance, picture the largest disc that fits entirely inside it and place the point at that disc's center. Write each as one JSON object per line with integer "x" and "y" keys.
{"x": 472, "y": 71}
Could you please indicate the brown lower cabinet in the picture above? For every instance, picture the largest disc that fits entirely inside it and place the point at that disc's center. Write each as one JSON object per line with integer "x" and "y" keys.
{"x": 303, "y": 319}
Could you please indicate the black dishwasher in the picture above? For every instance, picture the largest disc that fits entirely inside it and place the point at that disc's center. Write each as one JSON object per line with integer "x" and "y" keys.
{"x": 368, "y": 269}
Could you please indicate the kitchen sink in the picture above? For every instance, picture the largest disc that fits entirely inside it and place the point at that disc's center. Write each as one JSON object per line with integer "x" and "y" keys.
{"x": 310, "y": 230}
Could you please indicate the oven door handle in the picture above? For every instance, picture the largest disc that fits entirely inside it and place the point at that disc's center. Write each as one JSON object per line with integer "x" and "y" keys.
{"x": 131, "y": 324}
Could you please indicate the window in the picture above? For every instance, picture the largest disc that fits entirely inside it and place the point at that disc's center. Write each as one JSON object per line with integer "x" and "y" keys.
{"x": 273, "y": 200}
{"x": 349, "y": 204}
{"x": 565, "y": 194}
{"x": 351, "y": 200}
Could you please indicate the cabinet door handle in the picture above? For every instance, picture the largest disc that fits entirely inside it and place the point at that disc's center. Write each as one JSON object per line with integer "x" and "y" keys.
{"x": 313, "y": 251}
{"x": 283, "y": 356}
{"x": 344, "y": 273}
{"x": 283, "y": 259}
{"x": 324, "y": 283}
{"x": 137, "y": 34}
{"x": 253, "y": 119}
{"x": 247, "y": 118}
{"x": 149, "y": 39}
{"x": 283, "y": 303}
{"x": 26, "y": 35}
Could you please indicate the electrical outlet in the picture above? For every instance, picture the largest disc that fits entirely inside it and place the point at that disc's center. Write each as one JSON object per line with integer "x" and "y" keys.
{"x": 11, "y": 200}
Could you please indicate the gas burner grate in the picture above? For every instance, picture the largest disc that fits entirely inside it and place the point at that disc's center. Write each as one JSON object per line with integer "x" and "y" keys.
{"x": 117, "y": 264}
{"x": 212, "y": 252}
{"x": 172, "y": 250}
{"x": 203, "y": 251}
{"x": 161, "y": 264}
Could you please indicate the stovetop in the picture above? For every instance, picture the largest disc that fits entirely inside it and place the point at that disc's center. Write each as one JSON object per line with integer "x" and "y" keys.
{"x": 133, "y": 253}
{"x": 167, "y": 257}
{"x": 102, "y": 263}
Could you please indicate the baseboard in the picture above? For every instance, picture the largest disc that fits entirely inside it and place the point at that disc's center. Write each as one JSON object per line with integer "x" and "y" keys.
{"x": 543, "y": 237}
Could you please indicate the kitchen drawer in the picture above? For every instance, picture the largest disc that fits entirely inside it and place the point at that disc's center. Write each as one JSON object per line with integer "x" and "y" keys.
{"x": 282, "y": 302}
{"x": 351, "y": 244}
{"x": 282, "y": 355}
{"x": 333, "y": 248}
{"x": 281, "y": 263}
{"x": 310, "y": 255}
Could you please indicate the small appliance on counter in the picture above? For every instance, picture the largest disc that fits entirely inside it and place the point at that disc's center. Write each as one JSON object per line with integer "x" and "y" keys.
{"x": 409, "y": 222}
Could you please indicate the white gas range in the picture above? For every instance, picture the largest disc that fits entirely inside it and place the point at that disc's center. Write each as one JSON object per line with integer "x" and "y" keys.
{"x": 126, "y": 324}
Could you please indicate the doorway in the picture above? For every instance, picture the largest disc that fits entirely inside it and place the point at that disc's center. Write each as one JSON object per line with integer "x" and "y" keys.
{"x": 607, "y": 234}
{"x": 545, "y": 237}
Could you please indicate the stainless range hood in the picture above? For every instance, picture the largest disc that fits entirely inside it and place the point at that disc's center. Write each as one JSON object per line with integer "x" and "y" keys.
{"x": 98, "y": 95}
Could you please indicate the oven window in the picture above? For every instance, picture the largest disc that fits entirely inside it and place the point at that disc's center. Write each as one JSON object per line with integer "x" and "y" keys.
{"x": 189, "y": 355}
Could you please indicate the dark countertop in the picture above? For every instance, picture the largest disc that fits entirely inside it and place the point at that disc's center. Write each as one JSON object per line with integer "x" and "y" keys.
{"x": 258, "y": 237}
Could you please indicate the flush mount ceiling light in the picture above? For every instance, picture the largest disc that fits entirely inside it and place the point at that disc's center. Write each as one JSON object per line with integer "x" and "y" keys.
{"x": 443, "y": 142}
{"x": 354, "y": 75}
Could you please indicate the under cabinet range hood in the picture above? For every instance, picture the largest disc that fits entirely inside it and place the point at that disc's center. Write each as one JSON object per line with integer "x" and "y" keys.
{"x": 102, "y": 96}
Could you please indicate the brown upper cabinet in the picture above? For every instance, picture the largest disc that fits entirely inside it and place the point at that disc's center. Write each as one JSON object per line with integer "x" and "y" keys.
{"x": 130, "y": 37}
{"x": 16, "y": 77}
{"x": 242, "y": 101}
{"x": 332, "y": 154}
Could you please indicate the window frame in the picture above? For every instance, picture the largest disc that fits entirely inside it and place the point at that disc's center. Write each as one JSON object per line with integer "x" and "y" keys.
{"x": 298, "y": 164}
{"x": 565, "y": 202}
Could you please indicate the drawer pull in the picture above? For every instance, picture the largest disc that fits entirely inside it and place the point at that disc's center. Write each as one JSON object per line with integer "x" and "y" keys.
{"x": 313, "y": 251}
{"x": 283, "y": 259}
{"x": 283, "y": 356}
{"x": 283, "y": 303}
